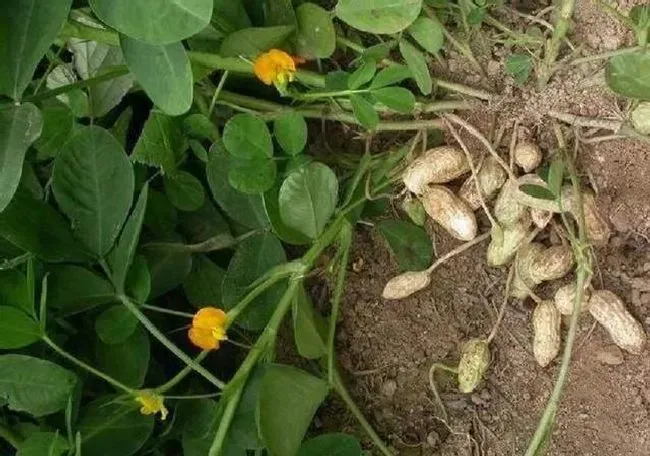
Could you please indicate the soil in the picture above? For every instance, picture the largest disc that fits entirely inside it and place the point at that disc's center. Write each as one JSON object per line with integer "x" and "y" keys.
{"x": 386, "y": 348}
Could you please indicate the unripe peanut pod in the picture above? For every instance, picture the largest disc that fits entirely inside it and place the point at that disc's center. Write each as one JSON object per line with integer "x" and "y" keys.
{"x": 507, "y": 210}
{"x": 540, "y": 217}
{"x": 552, "y": 263}
{"x": 537, "y": 203}
{"x": 505, "y": 242}
{"x": 404, "y": 285}
{"x": 491, "y": 177}
{"x": 565, "y": 297}
{"x": 436, "y": 166}
{"x": 474, "y": 361}
{"x": 546, "y": 333}
{"x": 522, "y": 281}
{"x": 609, "y": 311}
{"x": 641, "y": 118}
{"x": 528, "y": 156}
{"x": 450, "y": 212}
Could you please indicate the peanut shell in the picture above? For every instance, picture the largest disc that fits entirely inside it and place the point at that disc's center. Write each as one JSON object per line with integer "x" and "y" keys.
{"x": 404, "y": 285}
{"x": 546, "y": 333}
{"x": 505, "y": 242}
{"x": 474, "y": 361}
{"x": 528, "y": 156}
{"x": 491, "y": 177}
{"x": 540, "y": 217}
{"x": 565, "y": 296}
{"x": 450, "y": 212}
{"x": 552, "y": 263}
{"x": 623, "y": 328}
{"x": 596, "y": 226}
{"x": 436, "y": 166}
{"x": 522, "y": 282}
{"x": 507, "y": 210}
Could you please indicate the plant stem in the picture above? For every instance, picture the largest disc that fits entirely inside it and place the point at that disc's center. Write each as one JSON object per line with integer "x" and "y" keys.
{"x": 589, "y": 122}
{"x": 606, "y": 55}
{"x": 339, "y": 387}
{"x": 133, "y": 308}
{"x": 338, "y": 93}
{"x": 116, "y": 384}
{"x": 345, "y": 240}
{"x": 553, "y": 45}
{"x": 10, "y": 436}
{"x": 222, "y": 81}
{"x": 176, "y": 379}
{"x": 166, "y": 311}
{"x": 258, "y": 290}
{"x": 226, "y": 418}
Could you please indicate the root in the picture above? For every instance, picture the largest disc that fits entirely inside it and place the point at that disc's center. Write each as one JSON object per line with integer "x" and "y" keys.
{"x": 460, "y": 249}
{"x": 504, "y": 305}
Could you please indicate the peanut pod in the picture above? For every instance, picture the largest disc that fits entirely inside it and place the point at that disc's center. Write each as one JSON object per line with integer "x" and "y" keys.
{"x": 552, "y": 263}
{"x": 406, "y": 284}
{"x": 522, "y": 282}
{"x": 505, "y": 242}
{"x": 474, "y": 361}
{"x": 540, "y": 217}
{"x": 623, "y": 328}
{"x": 546, "y": 333}
{"x": 565, "y": 297}
{"x": 436, "y": 166}
{"x": 528, "y": 156}
{"x": 490, "y": 177}
{"x": 507, "y": 209}
{"x": 596, "y": 226}
{"x": 450, "y": 212}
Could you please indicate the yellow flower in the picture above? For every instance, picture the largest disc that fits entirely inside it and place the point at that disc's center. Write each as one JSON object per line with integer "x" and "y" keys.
{"x": 208, "y": 328}
{"x": 151, "y": 403}
{"x": 275, "y": 67}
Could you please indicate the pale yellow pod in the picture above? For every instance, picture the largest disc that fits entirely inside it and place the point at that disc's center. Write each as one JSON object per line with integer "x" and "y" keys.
{"x": 641, "y": 118}
{"x": 474, "y": 361}
{"x": 491, "y": 177}
{"x": 528, "y": 155}
{"x": 546, "y": 333}
{"x": 435, "y": 166}
{"x": 552, "y": 263}
{"x": 404, "y": 285}
{"x": 565, "y": 297}
{"x": 522, "y": 281}
{"x": 540, "y": 217}
{"x": 507, "y": 210}
{"x": 623, "y": 328}
{"x": 450, "y": 212}
{"x": 506, "y": 241}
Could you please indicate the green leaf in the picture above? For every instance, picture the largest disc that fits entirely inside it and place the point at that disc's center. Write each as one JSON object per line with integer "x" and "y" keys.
{"x": 17, "y": 330}
{"x": 556, "y": 175}
{"x": 36, "y": 227}
{"x": 252, "y": 176}
{"x": 121, "y": 257}
{"x": 316, "y": 37}
{"x": 288, "y": 400}
{"x": 138, "y": 280}
{"x": 253, "y": 257}
{"x": 93, "y": 183}
{"x": 309, "y": 327}
{"x": 364, "y": 111}
{"x": 161, "y": 143}
{"x": 161, "y": 216}
{"x": 229, "y": 16}
{"x": 120, "y": 128}
{"x": 73, "y": 289}
{"x": 363, "y": 74}
{"x": 58, "y": 123}
{"x": 243, "y": 429}
{"x": 43, "y": 444}
{"x": 629, "y": 75}
{"x": 336, "y": 80}
{"x": 76, "y": 99}
{"x": 109, "y": 428}
{"x": 199, "y": 126}
{"x": 393, "y": 74}
{"x": 290, "y": 132}
{"x": 247, "y": 210}
{"x": 168, "y": 21}
{"x": 33, "y": 385}
{"x": 128, "y": 361}
{"x": 19, "y": 128}
{"x": 378, "y": 16}
{"x": 379, "y": 51}
{"x": 14, "y": 291}
{"x": 163, "y": 71}
{"x": 428, "y": 33}
{"x": 168, "y": 270}
{"x": 246, "y": 136}
{"x": 252, "y": 41}
{"x": 410, "y": 244}
{"x": 537, "y": 191}
{"x": 417, "y": 63}
{"x": 206, "y": 223}
{"x": 519, "y": 66}
{"x": 184, "y": 191}
{"x": 27, "y": 30}
{"x": 284, "y": 232}
{"x": 396, "y": 98}
{"x": 115, "y": 325}
{"x": 307, "y": 199}
{"x": 199, "y": 427}
{"x": 203, "y": 286}
{"x": 331, "y": 445}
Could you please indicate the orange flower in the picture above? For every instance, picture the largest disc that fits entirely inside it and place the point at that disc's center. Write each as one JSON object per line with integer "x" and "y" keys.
{"x": 276, "y": 67}
{"x": 208, "y": 328}
{"x": 151, "y": 403}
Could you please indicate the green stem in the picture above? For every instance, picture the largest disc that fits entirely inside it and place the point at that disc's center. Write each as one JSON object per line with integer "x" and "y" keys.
{"x": 227, "y": 416}
{"x": 553, "y": 45}
{"x": 133, "y": 308}
{"x": 10, "y": 436}
{"x": 358, "y": 414}
{"x": 316, "y": 95}
{"x": 176, "y": 379}
{"x": 166, "y": 311}
{"x": 222, "y": 81}
{"x": 606, "y": 55}
{"x": 258, "y": 290}
{"x": 345, "y": 237}
{"x": 116, "y": 384}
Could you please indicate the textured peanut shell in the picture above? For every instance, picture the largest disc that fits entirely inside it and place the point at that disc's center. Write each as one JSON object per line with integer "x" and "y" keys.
{"x": 505, "y": 242}
{"x": 565, "y": 296}
{"x": 491, "y": 177}
{"x": 552, "y": 263}
{"x": 540, "y": 217}
{"x": 596, "y": 226}
{"x": 436, "y": 166}
{"x": 546, "y": 333}
{"x": 450, "y": 212}
{"x": 507, "y": 210}
{"x": 404, "y": 285}
{"x": 522, "y": 282}
{"x": 474, "y": 361}
{"x": 623, "y": 328}
{"x": 528, "y": 156}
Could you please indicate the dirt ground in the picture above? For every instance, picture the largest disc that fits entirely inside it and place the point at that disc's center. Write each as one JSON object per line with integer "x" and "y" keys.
{"x": 387, "y": 347}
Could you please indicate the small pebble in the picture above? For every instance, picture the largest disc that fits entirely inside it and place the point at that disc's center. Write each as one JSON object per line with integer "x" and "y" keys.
{"x": 610, "y": 355}
{"x": 388, "y": 388}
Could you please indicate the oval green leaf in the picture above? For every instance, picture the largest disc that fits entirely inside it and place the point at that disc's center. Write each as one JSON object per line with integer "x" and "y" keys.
{"x": 417, "y": 63}
{"x": 290, "y": 132}
{"x": 252, "y": 41}
{"x": 316, "y": 37}
{"x": 163, "y": 71}
{"x": 363, "y": 74}
{"x": 410, "y": 244}
{"x": 378, "y": 16}
{"x": 331, "y": 444}
{"x": 73, "y": 289}
{"x": 168, "y": 270}
{"x": 428, "y": 33}
{"x": 307, "y": 199}
{"x": 167, "y": 21}
{"x": 115, "y": 325}
{"x": 309, "y": 327}
{"x": 58, "y": 125}
{"x": 272, "y": 208}
{"x": 393, "y": 74}
{"x": 246, "y": 136}
{"x": 93, "y": 183}
{"x": 127, "y": 361}
{"x": 42, "y": 444}
{"x": 252, "y": 176}
{"x": 629, "y": 75}
{"x": 203, "y": 286}
{"x": 398, "y": 99}
{"x": 364, "y": 111}
{"x": 184, "y": 191}
{"x": 162, "y": 143}
{"x": 17, "y": 330}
